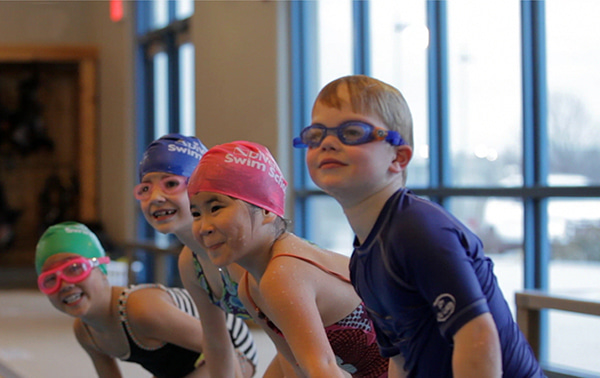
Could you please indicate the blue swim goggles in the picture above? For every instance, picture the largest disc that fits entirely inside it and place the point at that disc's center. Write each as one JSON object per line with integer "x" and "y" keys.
{"x": 350, "y": 133}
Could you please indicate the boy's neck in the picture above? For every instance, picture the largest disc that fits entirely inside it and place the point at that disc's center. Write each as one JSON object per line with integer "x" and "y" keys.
{"x": 363, "y": 214}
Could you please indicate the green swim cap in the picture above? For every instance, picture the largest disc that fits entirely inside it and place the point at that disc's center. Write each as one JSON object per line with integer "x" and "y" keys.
{"x": 68, "y": 237}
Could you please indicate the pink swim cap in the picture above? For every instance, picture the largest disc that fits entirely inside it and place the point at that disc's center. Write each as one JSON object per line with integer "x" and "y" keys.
{"x": 243, "y": 170}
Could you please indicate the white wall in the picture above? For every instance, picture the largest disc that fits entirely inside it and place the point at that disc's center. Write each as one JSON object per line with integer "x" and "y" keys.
{"x": 241, "y": 78}
{"x": 242, "y": 73}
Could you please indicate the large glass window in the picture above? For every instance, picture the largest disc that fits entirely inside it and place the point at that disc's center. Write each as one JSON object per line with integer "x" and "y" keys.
{"x": 399, "y": 41}
{"x": 485, "y": 85}
{"x": 165, "y": 92}
{"x": 335, "y": 44}
{"x": 161, "y": 94}
{"x": 507, "y": 132}
{"x": 573, "y": 48}
{"x": 187, "y": 124}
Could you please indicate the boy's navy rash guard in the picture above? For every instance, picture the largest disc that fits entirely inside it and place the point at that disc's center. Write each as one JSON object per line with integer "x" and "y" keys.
{"x": 423, "y": 275}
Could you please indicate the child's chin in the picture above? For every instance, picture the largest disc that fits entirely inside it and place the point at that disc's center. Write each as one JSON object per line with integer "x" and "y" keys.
{"x": 164, "y": 228}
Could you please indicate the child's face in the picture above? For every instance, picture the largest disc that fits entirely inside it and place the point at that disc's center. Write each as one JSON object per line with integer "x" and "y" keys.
{"x": 348, "y": 171}
{"x": 227, "y": 228}
{"x": 164, "y": 201}
{"x": 74, "y": 298}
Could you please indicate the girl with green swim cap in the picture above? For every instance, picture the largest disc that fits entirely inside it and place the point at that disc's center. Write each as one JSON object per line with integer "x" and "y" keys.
{"x": 151, "y": 325}
{"x": 68, "y": 236}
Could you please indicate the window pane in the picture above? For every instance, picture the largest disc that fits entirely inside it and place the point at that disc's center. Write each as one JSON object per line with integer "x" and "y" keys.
{"x": 186, "y": 88}
{"x": 573, "y": 87}
{"x": 160, "y": 12}
{"x": 574, "y": 342}
{"x": 185, "y": 8}
{"x": 328, "y": 226}
{"x": 399, "y": 39}
{"x": 499, "y": 224}
{"x": 161, "y": 95}
{"x": 574, "y": 232}
{"x": 333, "y": 56}
{"x": 485, "y": 91}
{"x": 334, "y": 40}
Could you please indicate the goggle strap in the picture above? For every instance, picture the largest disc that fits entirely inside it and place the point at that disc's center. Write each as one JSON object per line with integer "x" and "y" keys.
{"x": 297, "y": 143}
{"x": 394, "y": 138}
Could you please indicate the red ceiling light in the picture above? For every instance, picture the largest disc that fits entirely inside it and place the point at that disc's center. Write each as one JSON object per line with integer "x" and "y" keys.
{"x": 116, "y": 10}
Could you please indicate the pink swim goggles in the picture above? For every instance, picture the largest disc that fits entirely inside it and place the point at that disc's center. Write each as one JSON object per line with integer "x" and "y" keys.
{"x": 169, "y": 185}
{"x": 72, "y": 271}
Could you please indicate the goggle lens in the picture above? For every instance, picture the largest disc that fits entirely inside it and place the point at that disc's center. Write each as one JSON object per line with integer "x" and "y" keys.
{"x": 169, "y": 185}
{"x": 350, "y": 133}
{"x": 72, "y": 271}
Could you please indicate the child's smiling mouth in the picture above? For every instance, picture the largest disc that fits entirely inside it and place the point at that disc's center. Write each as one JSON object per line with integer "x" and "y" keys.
{"x": 163, "y": 213}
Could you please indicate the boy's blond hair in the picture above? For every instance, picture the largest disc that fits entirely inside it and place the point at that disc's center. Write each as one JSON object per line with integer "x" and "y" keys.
{"x": 372, "y": 97}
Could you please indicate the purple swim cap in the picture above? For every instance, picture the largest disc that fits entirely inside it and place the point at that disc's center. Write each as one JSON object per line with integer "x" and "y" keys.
{"x": 172, "y": 153}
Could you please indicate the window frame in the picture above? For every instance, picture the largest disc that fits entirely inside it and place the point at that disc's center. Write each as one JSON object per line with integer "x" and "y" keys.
{"x": 534, "y": 193}
{"x": 149, "y": 40}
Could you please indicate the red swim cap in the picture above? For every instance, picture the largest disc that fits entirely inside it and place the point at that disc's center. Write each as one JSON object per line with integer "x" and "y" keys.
{"x": 243, "y": 170}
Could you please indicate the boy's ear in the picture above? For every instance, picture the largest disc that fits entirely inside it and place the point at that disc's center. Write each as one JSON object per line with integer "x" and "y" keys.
{"x": 403, "y": 155}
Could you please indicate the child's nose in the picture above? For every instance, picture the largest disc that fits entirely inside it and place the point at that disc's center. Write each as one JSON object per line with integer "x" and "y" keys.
{"x": 156, "y": 195}
{"x": 62, "y": 284}
{"x": 330, "y": 141}
{"x": 205, "y": 228}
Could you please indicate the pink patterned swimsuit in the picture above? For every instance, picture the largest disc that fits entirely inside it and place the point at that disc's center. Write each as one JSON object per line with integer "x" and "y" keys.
{"x": 352, "y": 338}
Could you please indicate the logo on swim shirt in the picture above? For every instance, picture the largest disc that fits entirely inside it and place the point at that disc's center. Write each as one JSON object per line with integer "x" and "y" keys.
{"x": 444, "y": 306}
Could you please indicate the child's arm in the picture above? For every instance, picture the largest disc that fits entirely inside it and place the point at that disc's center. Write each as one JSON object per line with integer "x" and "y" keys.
{"x": 105, "y": 365}
{"x": 396, "y": 367}
{"x": 221, "y": 358}
{"x": 288, "y": 291}
{"x": 477, "y": 350}
{"x": 154, "y": 318}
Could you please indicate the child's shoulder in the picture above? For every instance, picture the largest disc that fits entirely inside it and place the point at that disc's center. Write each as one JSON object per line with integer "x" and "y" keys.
{"x": 407, "y": 207}
{"x": 144, "y": 300}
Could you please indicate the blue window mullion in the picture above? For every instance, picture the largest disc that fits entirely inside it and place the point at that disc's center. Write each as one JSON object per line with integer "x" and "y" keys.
{"x": 142, "y": 16}
{"x": 437, "y": 73}
{"x": 303, "y": 36}
{"x": 535, "y": 145}
{"x": 535, "y": 168}
{"x": 361, "y": 35}
{"x": 172, "y": 9}
{"x": 173, "y": 82}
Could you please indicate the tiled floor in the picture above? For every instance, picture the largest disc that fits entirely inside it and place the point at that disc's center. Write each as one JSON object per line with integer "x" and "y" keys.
{"x": 36, "y": 341}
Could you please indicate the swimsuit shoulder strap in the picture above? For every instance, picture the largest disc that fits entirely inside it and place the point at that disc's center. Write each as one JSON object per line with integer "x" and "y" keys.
{"x": 245, "y": 278}
{"x": 122, "y": 308}
{"x": 259, "y": 312}
{"x": 326, "y": 270}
